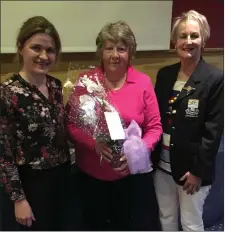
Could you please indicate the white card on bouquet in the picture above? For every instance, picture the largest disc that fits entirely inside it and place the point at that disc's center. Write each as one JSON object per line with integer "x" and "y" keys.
{"x": 114, "y": 125}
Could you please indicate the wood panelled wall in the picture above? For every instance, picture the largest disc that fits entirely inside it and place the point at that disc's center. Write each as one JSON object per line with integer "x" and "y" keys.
{"x": 148, "y": 62}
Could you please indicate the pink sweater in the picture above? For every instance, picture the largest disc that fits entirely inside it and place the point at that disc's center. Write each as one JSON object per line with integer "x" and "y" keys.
{"x": 135, "y": 100}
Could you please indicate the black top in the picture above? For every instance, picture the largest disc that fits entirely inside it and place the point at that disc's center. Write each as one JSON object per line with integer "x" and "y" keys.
{"x": 31, "y": 130}
{"x": 197, "y": 120}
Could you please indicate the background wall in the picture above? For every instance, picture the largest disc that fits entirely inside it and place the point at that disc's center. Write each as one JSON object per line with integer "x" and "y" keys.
{"x": 81, "y": 20}
{"x": 78, "y": 22}
{"x": 214, "y": 12}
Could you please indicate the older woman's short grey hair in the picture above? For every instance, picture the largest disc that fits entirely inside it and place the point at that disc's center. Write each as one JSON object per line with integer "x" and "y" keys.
{"x": 116, "y": 32}
{"x": 191, "y": 15}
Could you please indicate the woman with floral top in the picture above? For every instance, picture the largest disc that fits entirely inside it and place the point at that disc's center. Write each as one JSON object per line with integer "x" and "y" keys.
{"x": 34, "y": 158}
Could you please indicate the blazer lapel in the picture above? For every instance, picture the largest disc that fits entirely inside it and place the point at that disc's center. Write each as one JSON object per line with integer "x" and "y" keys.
{"x": 197, "y": 76}
{"x": 171, "y": 79}
{"x": 187, "y": 90}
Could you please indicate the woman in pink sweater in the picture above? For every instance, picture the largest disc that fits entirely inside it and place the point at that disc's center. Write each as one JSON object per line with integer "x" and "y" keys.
{"x": 112, "y": 198}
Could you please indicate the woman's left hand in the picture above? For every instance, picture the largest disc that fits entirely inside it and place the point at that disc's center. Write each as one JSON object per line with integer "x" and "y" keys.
{"x": 192, "y": 183}
{"x": 123, "y": 169}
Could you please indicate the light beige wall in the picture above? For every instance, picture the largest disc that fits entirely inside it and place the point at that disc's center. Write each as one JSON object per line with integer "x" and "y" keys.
{"x": 78, "y": 23}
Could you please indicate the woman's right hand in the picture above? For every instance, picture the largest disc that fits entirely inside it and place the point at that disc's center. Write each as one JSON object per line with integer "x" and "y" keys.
{"x": 103, "y": 151}
{"x": 23, "y": 213}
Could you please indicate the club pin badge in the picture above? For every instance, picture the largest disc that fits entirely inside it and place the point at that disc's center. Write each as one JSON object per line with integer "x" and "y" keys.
{"x": 189, "y": 89}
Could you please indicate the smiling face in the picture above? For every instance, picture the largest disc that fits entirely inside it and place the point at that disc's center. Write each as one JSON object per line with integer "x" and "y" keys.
{"x": 189, "y": 41}
{"x": 115, "y": 56}
{"x": 38, "y": 54}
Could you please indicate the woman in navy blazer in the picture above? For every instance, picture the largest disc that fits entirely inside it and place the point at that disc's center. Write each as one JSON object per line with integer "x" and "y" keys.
{"x": 190, "y": 97}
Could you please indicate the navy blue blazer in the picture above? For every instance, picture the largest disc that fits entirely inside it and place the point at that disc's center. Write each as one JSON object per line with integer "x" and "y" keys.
{"x": 197, "y": 120}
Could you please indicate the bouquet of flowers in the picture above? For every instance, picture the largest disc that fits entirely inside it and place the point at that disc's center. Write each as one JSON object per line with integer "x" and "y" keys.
{"x": 88, "y": 104}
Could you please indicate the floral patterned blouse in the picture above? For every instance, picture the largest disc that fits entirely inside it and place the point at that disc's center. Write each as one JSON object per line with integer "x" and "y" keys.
{"x": 31, "y": 130}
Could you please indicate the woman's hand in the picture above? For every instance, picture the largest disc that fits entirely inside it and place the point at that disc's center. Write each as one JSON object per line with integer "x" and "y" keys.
{"x": 192, "y": 183}
{"x": 103, "y": 151}
{"x": 123, "y": 169}
{"x": 23, "y": 213}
